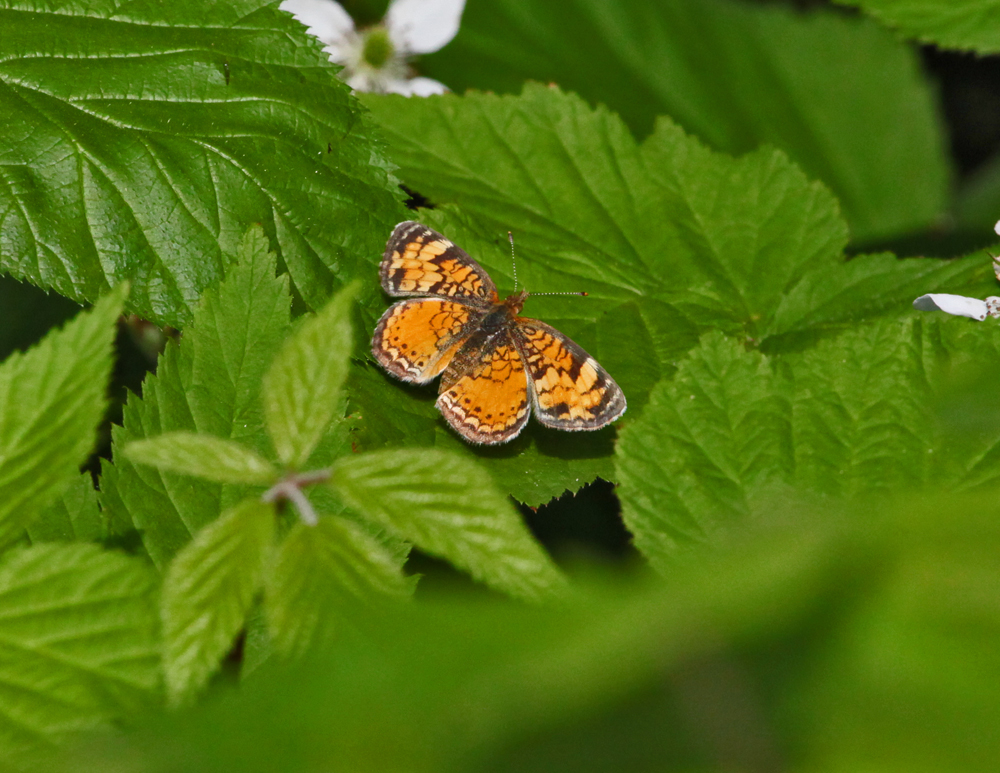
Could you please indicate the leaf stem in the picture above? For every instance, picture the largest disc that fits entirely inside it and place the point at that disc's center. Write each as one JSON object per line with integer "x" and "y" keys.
{"x": 290, "y": 489}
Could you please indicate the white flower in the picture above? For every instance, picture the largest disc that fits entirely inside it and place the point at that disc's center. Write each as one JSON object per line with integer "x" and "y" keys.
{"x": 376, "y": 58}
{"x": 959, "y": 305}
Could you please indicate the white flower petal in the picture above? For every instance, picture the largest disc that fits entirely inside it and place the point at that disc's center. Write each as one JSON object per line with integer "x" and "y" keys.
{"x": 326, "y": 20}
{"x": 417, "y": 87}
{"x": 422, "y": 26}
{"x": 997, "y": 228}
{"x": 959, "y": 305}
{"x": 360, "y": 81}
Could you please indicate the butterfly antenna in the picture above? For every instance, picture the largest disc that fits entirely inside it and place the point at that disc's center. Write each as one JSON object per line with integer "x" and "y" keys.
{"x": 513, "y": 263}
{"x": 510, "y": 238}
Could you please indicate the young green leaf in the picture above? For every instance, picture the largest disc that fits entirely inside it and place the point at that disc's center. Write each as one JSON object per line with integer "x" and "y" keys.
{"x": 740, "y": 75}
{"x": 448, "y": 506}
{"x": 73, "y": 517}
{"x": 209, "y": 383}
{"x": 106, "y": 178}
{"x": 79, "y": 648}
{"x": 202, "y": 456}
{"x": 207, "y": 592}
{"x": 302, "y": 388}
{"x": 325, "y": 576}
{"x": 52, "y": 398}
{"x": 257, "y": 645}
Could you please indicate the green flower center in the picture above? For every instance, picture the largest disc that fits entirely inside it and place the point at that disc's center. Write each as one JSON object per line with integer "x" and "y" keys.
{"x": 378, "y": 48}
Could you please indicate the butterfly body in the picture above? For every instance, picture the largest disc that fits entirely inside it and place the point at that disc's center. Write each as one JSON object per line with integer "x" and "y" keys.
{"x": 496, "y": 367}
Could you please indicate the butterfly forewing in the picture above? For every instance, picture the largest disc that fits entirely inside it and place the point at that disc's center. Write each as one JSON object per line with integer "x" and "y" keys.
{"x": 420, "y": 261}
{"x": 571, "y": 390}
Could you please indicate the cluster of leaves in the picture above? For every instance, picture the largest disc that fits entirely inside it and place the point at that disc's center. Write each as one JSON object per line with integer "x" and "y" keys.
{"x": 328, "y": 561}
{"x": 270, "y": 481}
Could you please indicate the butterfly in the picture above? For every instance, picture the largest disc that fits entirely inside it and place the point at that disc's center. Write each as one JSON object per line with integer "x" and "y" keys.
{"x": 496, "y": 367}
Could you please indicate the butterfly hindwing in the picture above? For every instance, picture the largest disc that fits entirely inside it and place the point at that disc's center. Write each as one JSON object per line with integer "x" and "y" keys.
{"x": 570, "y": 390}
{"x": 484, "y": 391}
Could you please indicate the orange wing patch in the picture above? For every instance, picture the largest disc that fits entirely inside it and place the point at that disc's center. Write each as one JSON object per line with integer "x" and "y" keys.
{"x": 571, "y": 391}
{"x": 419, "y": 261}
{"x": 488, "y": 402}
{"x": 415, "y": 340}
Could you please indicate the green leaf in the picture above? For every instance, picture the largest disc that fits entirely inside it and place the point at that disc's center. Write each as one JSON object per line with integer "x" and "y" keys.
{"x": 208, "y": 383}
{"x": 257, "y": 644}
{"x": 73, "y": 517}
{"x": 51, "y": 401}
{"x": 707, "y": 443}
{"x": 302, "y": 388}
{"x": 79, "y": 648}
{"x": 146, "y": 143}
{"x": 868, "y": 286}
{"x": 760, "y": 227}
{"x": 669, "y": 238}
{"x": 864, "y": 424}
{"x": 447, "y": 506}
{"x": 828, "y": 89}
{"x": 208, "y": 590}
{"x": 202, "y": 456}
{"x": 962, "y": 367}
{"x": 968, "y": 25}
{"x": 919, "y": 646}
{"x": 735, "y": 431}
{"x": 325, "y": 576}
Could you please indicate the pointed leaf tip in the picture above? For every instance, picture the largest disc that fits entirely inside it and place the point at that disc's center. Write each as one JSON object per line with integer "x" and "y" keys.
{"x": 207, "y": 592}
{"x": 448, "y": 506}
{"x": 52, "y": 397}
{"x": 302, "y": 389}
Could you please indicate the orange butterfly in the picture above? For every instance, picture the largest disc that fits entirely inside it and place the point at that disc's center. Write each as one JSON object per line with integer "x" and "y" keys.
{"x": 496, "y": 367}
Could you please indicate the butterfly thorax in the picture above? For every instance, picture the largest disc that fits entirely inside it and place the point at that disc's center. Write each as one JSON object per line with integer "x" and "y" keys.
{"x": 504, "y": 313}
{"x": 515, "y": 302}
